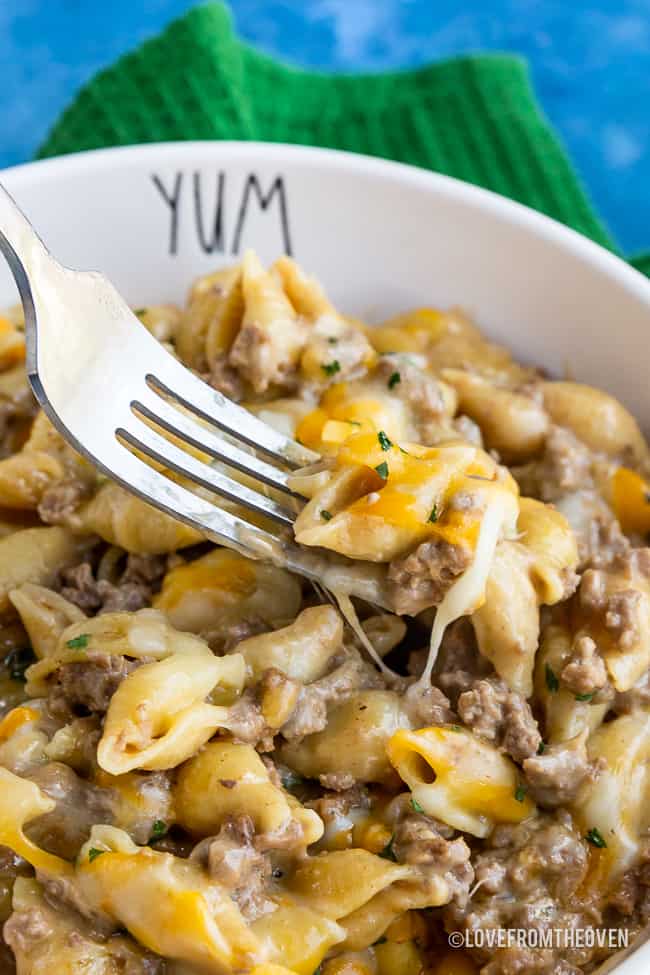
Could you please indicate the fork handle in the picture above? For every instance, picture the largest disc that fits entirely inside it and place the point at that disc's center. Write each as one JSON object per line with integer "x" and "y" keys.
{"x": 20, "y": 244}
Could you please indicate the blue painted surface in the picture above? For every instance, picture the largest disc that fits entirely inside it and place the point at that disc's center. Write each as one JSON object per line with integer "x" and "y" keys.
{"x": 590, "y": 61}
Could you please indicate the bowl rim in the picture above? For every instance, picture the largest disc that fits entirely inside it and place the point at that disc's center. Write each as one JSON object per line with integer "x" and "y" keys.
{"x": 503, "y": 208}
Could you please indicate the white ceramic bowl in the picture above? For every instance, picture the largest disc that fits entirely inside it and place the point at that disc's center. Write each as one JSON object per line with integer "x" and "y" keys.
{"x": 382, "y": 237}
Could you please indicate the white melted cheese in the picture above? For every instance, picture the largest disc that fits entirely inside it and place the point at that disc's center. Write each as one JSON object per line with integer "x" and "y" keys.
{"x": 467, "y": 593}
{"x": 350, "y": 615}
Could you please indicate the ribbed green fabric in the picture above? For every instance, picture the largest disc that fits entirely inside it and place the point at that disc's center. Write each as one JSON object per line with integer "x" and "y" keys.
{"x": 472, "y": 117}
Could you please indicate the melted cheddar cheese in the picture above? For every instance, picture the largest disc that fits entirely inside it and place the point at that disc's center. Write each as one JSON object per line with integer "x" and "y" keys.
{"x": 459, "y": 779}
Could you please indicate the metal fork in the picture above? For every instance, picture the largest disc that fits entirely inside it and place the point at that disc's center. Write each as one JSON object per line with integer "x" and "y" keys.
{"x": 103, "y": 379}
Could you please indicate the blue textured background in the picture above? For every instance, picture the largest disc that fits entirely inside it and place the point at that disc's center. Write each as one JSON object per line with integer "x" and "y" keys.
{"x": 590, "y": 61}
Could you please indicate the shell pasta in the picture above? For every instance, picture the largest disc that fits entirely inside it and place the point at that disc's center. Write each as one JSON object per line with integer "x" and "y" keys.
{"x": 209, "y": 766}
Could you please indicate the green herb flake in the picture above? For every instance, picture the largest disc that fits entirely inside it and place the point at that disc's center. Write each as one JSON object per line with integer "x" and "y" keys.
{"x": 402, "y": 451}
{"x": 158, "y": 830}
{"x": 520, "y": 793}
{"x": 382, "y": 470}
{"x": 585, "y": 697}
{"x": 353, "y": 423}
{"x": 541, "y": 748}
{"x": 93, "y": 853}
{"x": 79, "y": 642}
{"x": 18, "y": 661}
{"x": 595, "y": 837}
{"x": 384, "y": 442}
{"x": 394, "y": 379}
{"x": 291, "y": 779}
{"x": 416, "y": 806}
{"x": 332, "y": 340}
{"x": 433, "y": 517}
{"x": 388, "y": 853}
{"x": 455, "y": 727}
{"x": 326, "y": 515}
{"x": 552, "y": 682}
{"x": 139, "y": 312}
{"x": 331, "y": 368}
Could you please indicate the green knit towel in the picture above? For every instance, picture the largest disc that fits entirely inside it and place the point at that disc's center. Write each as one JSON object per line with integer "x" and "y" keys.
{"x": 472, "y": 117}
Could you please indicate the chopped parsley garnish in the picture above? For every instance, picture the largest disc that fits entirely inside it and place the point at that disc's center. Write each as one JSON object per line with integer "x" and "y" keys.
{"x": 520, "y": 793}
{"x": 433, "y": 517}
{"x": 353, "y": 423}
{"x": 552, "y": 682}
{"x": 416, "y": 806}
{"x": 93, "y": 853}
{"x": 332, "y": 340}
{"x": 384, "y": 442}
{"x": 331, "y": 368}
{"x": 382, "y": 470}
{"x": 139, "y": 311}
{"x": 585, "y": 697}
{"x": 402, "y": 451}
{"x": 326, "y": 515}
{"x": 388, "y": 853}
{"x": 541, "y": 748}
{"x": 18, "y": 661}
{"x": 595, "y": 837}
{"x": 394, "y": 379}
{"x": 158, "y": 830}
{"x": 79, "y": 642}
{"x": 455, "y": 727}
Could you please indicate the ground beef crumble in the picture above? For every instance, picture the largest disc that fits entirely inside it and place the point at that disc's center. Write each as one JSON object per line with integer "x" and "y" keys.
{"x": 564, "y": 467}
{"x": 233, "y": 860}
{"x": 24, "y": 928}
{"x": 555, "y": 777}
{"x": 62, "y": 499}
{"x": 133, "y": 590}
{"x": 422, "y": 842}
{"x": 421, "y": 579}
{"x": 225, "y": 378}
{"x": 613, "y": 595}
{"x": 631, "y": 895}
{"x": 88, "y": 684}
{"x": 585, "y": 671}
{"x": 16, "y": 413}
{"x": 425, "y": 706}
{"x": 247, "y": 724}
{"x": 228, "y": 635}
{"x": 528, "y": 876}
{"x": 501, "y": 716}
{"x": 310, "y": 712}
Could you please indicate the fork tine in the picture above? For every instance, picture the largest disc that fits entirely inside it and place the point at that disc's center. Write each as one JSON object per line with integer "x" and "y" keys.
{"x": 220, "y": 525}
{"x": 178, "y": 383}
{"x": 159, "y": 449}
{"x": 167, "y": 416}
